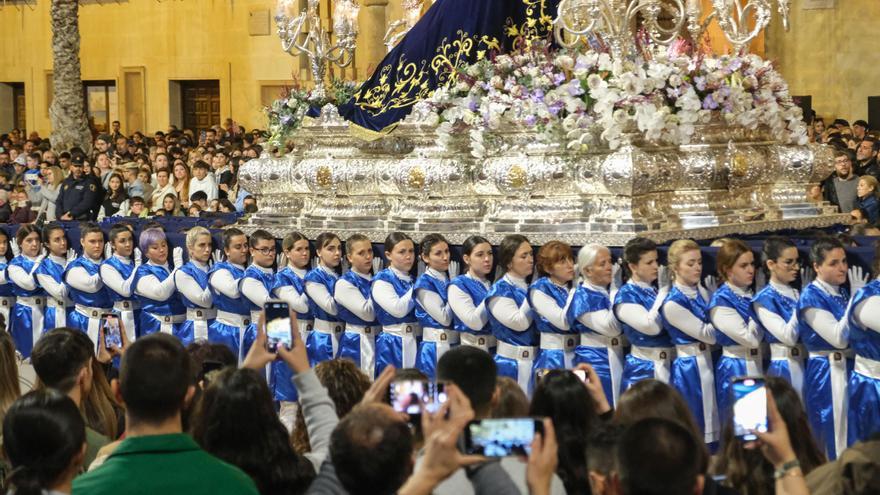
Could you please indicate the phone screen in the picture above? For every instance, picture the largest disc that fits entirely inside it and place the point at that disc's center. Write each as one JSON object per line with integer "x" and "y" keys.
{"x": 277, "y": 325}
{"x": 413, "y": 396}
{"x": 112, "y": 335}
{"x": 501, "y": 437}
{"x": 749, "y": 407}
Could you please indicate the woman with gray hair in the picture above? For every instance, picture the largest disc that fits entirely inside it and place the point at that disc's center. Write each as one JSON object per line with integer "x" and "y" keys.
{"x": 591, "y": 315}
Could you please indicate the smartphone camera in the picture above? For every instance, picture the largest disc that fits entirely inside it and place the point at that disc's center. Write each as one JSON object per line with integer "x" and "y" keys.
{"x": 749, "y": 407}
{"x": 501, "y": 437}
{"x": 414, "y": 396}
{"x": 112, "y": 334}
{"x": 278, "y": 330}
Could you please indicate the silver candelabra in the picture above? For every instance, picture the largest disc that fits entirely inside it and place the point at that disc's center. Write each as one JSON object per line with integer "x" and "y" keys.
{"x": 616, "y": 21}
{"x": 315, "y": 40}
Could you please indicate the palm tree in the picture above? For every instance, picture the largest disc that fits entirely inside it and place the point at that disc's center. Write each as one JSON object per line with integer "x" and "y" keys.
{"x": 67, "y": 111}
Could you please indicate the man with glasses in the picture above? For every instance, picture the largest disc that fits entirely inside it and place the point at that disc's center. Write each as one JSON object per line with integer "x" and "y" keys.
{"x": 258, "y": 281}
{"x": 840, "y": 188}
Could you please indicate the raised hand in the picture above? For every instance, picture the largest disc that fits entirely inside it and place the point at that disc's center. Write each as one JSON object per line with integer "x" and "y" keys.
{"x": 177, "y": 256}
{"x": 13, "y": 244}
{"x": 454, "y": 268}
{"x": 663, "y": 278}
{"x": 594, "y": 387}
{"x": 71, "y": 255}
{"x": 280, "y": 260}
{"x": 807, "y": 277}
{"x": 711, "y": 284}
{"x": 217, "y": 256}
{"x": 378, "y": 265}
{"x": 617, "y": 275}
{"x": 138, "y": 257}
{"x": 857, "y": 279}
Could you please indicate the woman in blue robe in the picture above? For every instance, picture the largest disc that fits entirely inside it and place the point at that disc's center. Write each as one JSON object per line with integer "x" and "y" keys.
{"x": 467, "y": 295}
{"x": 686, "y": 318}
{"x": 26, "y": 320}
{"x": 601, "y": 339}
{"x": 432, "y": 305}
{"x": 352, "y": 293}
{"x": 323, "y": 343}
{"x": 394, "y": 304}
{"x": 775, "y": 308}
{"x": 50, "y": 276}
{"x": 864, "y": 337}
{"x": 550, "y": 296}
{"x": 7, "y": 296}
{"x": 161, "y": 308}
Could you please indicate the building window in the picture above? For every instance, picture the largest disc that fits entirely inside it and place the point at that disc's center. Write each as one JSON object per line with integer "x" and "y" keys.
{"x": 101, "y": 104}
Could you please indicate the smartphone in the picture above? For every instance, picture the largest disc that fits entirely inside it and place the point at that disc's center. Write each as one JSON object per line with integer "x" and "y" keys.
{"x": 749, "y": 407}
{"x": 112, "y": 333}
{"x": 501, "y": 437}
{"x": 278, "y": 330}
{"x": 414, "y": 396}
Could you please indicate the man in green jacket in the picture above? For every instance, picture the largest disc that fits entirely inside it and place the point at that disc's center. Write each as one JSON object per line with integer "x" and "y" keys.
{"x": 156, "y": 457}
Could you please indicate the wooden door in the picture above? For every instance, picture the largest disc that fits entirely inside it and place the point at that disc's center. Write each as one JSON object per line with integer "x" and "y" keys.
{"x": 200, "y": 101}
{"x": 18, "y": 106}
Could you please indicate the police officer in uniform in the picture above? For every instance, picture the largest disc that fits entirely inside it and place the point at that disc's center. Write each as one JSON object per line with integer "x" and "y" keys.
{"x": 78, "y": 193}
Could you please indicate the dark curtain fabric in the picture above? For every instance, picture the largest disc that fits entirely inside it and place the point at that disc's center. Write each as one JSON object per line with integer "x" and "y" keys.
{"x": 451, "y": 35}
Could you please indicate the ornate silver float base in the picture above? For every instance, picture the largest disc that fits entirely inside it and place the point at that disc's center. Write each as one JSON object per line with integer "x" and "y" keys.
{"x": 731, "y": 181}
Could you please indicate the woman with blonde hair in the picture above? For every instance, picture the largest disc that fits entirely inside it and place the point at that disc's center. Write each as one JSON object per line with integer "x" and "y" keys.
{"x": 686, "y": 319}
{"x": 49, "y": 192}
{"x": 867, "y": 198}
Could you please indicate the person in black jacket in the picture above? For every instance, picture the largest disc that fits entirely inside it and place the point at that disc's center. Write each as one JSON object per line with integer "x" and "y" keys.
{"x": 78, "y": 194}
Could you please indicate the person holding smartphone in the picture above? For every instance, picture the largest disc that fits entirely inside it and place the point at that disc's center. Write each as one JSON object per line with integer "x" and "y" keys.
{"x": 192, "y": 283}
{"x": 83, "y": 277}
{"x": 117, "y": 273}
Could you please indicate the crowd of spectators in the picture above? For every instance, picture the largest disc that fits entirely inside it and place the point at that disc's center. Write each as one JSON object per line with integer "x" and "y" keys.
{"x": 172, "y": 173}
{"x": 853, "y": 186}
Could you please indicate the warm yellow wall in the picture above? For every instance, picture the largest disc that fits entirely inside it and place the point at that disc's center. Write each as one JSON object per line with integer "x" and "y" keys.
{"x": 831, "y": 55}
{"x": 171, "y": 40}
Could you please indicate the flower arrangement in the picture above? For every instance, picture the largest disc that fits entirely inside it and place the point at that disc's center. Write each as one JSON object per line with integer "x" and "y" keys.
{"x": 287, "y": 113}
{"x": 577, "y": 98}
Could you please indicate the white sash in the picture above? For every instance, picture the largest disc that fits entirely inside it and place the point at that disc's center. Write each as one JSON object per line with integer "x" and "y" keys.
{"x": 484, "y": 342}
{"x": 524, "y": 357}
{"x": 794, "y": 356}
{"x": 60, "y": 311}
{"x": 305, "y": 328}
{"x": 839, "y": 399}
{"x": 707, "y": 386}
{"x": 753, "y": 358}
{"x": 367, "y": 346}
{"x": 614, "y": 346}
{"x": 93, "y": 316}
{"x": 35, "y": 303}
{"x": 125, "y": 309}
{"x": 332, "y": 328}
{"x": 166, "y": 323}
{"x": 407, "y": 334}
{"x": 442, "y": 338}
{"x": 660, "y": 357}
{"x": 200, "y": 317}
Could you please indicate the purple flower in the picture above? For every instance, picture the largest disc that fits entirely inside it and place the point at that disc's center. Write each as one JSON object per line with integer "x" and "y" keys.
{"x": 530, "y": 120}
{"x": 700, "y": 83}
{"x": 709, "y": 103}
{"x": 556, "y": 107}
{"x": 574, "y": 88}
{"x": 538, "y": 95}
{"x": 558, "y": 78}
{"x": 286, "y": 120}
{"x": 472, "y": 105}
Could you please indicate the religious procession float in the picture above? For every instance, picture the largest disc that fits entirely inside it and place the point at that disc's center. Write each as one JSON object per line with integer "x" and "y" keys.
{"x": 579, "y": 120}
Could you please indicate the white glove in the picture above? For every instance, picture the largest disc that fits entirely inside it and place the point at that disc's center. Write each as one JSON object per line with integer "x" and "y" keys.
{"x": 378, "y": 265}
{"x": 664, "y": 281}
{"x": 454, "y": 267}
{"x": 711, "y": 284}
{"x": 138, "y": 257}
{"x": 177, "y": 256}
{"x": 421, "y": 268}
{"x": 108, "y": 251}
{"x": 807, "y": 276}
{"x": 71, "y": 255}
{"x": 37, "y": 263}
{"x": 857, "y": 279}
{"x": 654, "y": 312}
{"x": 616, "y": 276}
{"x": 280, "y": 260}
{"x": 13, "y": 244}
{"x": 217, "y": 256}
{"x": 760, "y": 280}
{"x": 42, "y": 251}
